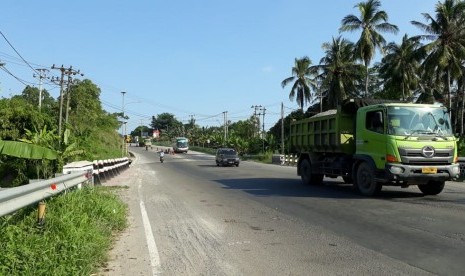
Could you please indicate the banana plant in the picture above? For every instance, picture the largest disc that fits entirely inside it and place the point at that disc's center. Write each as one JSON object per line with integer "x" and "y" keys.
{"x": 26, "y": 150}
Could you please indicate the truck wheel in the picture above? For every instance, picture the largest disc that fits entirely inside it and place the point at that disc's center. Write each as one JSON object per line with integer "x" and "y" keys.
{"x": 309, "y": 178}
{"x": 365, "y": 180}
{"x": 432, "y": 187}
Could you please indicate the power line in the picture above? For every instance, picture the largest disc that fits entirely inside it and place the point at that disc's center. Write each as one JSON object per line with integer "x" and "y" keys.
{"x": 15, "y": 60}
{"x": 17, "y": 52}
{"x": 17, "y": 78}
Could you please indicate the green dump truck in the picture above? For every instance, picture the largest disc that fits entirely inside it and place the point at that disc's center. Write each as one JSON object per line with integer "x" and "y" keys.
{"x": 373, "y": 143}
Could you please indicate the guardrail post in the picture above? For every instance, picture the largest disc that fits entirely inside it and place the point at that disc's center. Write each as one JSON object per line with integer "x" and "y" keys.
{"x": 108, "y": 168}
{"x": 96, "y": 173}
{"x": 116, "y": 165}
{"x": 41, "y": 214}
{"x": 101, "y": 171}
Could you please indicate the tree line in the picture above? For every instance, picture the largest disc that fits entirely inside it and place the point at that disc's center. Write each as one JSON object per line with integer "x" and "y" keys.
{"x": 89, "y": 134}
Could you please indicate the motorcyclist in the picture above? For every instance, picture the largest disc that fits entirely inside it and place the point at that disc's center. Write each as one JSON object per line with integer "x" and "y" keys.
{"x": 162, "y": 154}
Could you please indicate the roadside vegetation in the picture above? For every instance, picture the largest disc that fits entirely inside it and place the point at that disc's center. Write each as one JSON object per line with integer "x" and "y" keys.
{"x": 87, "y": 133}
{"x": 77, "y": 234}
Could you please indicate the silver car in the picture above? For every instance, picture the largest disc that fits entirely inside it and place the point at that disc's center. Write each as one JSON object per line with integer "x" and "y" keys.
{"x": 227, "y": 157}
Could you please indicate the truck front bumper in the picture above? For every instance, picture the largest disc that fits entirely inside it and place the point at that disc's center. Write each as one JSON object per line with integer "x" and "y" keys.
{"x": 405, "y": 172}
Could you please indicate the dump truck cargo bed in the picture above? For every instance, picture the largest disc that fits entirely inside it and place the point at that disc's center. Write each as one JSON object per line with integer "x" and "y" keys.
{"x": 331, "y": 131}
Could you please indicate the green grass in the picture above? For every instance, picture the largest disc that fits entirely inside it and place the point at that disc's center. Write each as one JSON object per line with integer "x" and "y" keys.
{"x": 78, "y": 232}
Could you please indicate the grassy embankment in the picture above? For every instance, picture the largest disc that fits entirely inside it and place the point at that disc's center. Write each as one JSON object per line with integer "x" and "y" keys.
{"x": 77, "y": 234}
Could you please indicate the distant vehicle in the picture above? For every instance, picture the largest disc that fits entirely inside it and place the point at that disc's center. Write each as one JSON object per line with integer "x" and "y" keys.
{"x": 147, "y": 143}
{"x": 181, "y": 144}
{"x": 227, "y": 157}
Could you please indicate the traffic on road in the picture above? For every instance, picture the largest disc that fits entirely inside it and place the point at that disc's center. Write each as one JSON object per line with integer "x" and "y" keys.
{"x": 191, "y": 217}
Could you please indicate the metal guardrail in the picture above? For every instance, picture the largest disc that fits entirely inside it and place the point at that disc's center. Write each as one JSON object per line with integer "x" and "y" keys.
{"x": 16, "y": 198}
{"x": 285, "y": 159}
{"x": 76, "y": 174}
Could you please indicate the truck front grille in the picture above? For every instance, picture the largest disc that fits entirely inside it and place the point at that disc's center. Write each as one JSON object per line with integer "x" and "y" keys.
{"x": 416, "y": 156}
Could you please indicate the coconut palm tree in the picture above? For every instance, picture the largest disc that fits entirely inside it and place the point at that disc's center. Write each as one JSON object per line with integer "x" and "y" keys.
{"x": 339, "y": 71}
{"x": 399, "y": 68}
{"x": 372, "y": 21}
{"x": 303, "y": 75}
{"x": 446, "y": 51}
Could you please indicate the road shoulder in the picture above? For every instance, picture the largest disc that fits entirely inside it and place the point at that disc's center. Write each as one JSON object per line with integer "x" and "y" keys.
{"x": 129, "y": 254}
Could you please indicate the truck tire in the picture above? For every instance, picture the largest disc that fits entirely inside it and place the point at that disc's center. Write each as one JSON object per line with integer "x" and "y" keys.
{"x": 432, "y": 187}
{"x": 365, "y": 180}
{"x": 309, "y": 178}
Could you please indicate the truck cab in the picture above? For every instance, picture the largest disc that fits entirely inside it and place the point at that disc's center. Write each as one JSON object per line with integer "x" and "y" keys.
{"x": 407, "y": 144}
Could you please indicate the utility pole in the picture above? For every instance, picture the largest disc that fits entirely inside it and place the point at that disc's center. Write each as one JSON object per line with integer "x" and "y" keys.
{"x": 282, "y": 128}
{"x": 263, "y": 125}
{"x": 257, "y": 119}
{"x": 123, "y": 125}
{"x": 60, "y": 81}
{"x": 225, "y": 118}
{"x": 192, "y": 120}
{"x": 68, "y": 89}
{"x": 42, "y": 75}
{"x": 63, "y": 71}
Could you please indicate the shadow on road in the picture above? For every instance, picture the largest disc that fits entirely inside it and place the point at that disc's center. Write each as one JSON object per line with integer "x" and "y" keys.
{"x": 295, "y": 188}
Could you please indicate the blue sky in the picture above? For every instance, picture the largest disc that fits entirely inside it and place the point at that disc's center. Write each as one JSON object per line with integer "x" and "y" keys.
{"x": 188, "y": 58}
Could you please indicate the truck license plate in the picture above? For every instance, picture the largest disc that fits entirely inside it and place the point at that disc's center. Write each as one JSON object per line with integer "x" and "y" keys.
{"x": 429, "y": 170}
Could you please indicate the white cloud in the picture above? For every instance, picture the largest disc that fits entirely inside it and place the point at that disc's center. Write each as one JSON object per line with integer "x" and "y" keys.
{"x": 267, "y": 69}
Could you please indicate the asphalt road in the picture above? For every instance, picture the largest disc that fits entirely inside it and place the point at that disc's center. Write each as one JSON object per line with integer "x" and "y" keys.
{"x": 190, "y": 217}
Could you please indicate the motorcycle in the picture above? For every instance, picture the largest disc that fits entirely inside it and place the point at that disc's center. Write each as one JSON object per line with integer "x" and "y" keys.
{"x": 162, "y": 155}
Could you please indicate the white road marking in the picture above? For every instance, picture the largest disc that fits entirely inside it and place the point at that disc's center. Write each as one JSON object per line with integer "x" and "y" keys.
{"x": 152, "y": 246}
{"x": 238, "y": 243}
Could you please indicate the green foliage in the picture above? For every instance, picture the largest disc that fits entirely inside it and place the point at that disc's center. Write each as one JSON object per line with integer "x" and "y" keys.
{"x": 276, "y": 129}
{"x": 461, "y": 146}
{"x": 89, "y": 134}
{"x": 340, "y": 74}
{"x": 26, "y": 150}
{"x": 371, "y": 22}
{"x": 204, "y": 150}
{"x": 74, "y": 241}
{"x": 303, "y": 79}
{"x": 17, "y": 115}
{"x": 166, "y": 122}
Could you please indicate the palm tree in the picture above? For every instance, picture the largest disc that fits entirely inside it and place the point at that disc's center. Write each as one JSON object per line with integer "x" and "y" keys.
{"x": 371, "y": 22}
{"x": 446, "y": 51}
{"x": 339, "y": 71}
{"x": 399, "y": 68}
{"x": 303, "y": 77}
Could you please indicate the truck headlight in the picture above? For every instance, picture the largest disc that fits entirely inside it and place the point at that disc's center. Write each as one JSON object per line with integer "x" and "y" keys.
{"x": 456, "y": 170}
{"x": 396, "y": 170}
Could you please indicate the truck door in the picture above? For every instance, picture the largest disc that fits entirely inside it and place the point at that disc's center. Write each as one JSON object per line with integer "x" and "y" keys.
{"x": 371, "y": 137}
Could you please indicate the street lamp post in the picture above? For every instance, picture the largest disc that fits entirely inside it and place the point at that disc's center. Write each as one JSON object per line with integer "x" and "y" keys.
{"x": 123, "y": 147}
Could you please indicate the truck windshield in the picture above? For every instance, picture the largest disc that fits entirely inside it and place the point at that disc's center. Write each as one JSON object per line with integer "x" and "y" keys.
{"x": 418, "y": 121}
